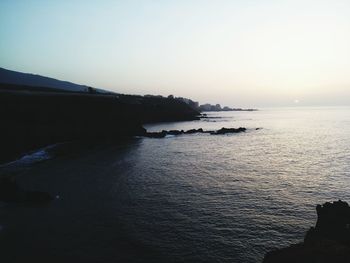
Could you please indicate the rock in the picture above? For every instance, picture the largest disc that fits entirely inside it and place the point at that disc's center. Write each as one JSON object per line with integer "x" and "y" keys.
{"x": 333, "y": 221}
{"x": 191, "y": 131}
{"x": 228, "y": 130}
{"x": 161, "y": 134}
{"x": 175, "y": 132}
{"x": 10, "y": 192}
{"x": 324, "y": 251}
{"x": 327, "y": 242}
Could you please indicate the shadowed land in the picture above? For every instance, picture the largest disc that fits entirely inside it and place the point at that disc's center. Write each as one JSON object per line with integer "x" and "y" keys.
{"x": 34, "y": 119}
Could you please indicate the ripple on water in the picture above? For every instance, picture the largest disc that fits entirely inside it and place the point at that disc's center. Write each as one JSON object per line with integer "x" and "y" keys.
{"x": 196, "y": 198}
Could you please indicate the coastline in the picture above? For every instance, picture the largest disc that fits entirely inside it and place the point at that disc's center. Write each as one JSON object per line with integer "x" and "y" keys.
{"x": 155, "y": 189}
{"x": 37, "y": 119}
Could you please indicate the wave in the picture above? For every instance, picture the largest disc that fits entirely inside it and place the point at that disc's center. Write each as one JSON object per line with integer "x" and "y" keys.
{"x": 29, "y": 159}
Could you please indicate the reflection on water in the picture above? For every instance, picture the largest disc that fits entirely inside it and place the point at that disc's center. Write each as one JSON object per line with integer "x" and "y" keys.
{"x": 198, "y": 198}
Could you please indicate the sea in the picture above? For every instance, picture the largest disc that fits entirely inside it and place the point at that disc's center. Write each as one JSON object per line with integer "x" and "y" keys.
{"x": 187, "y": 198}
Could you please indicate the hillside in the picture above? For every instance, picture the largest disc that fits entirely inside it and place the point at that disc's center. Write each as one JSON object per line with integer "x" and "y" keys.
{"x": 19, "y": 78}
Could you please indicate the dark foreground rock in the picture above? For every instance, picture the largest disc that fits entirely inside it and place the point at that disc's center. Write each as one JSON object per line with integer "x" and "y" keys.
{"x": 10, "y": 192}
{"x": 327, "y": 242}
{"x": 163, "y": 133}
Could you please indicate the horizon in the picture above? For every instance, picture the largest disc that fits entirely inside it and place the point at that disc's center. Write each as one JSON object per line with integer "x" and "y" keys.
{"x": 271, "y": 54}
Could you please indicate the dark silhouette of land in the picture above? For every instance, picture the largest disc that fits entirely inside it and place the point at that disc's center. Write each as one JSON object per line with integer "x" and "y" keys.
{"x": 327, "y": 242}
{"x": 35, "y": 117}
{"x": 38, "y": 111}
{"x": 19, "y": 78}
{"x": 217, "y": 107}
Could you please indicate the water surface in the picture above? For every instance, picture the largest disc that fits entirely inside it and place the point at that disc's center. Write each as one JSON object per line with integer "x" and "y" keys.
{"x": 187, "y": 198}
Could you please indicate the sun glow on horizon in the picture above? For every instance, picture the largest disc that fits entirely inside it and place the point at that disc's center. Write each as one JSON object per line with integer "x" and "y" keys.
{"x": 237, "y": 53}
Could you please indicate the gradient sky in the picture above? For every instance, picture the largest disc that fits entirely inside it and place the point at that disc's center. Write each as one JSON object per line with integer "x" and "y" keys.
{"x": 239, "y": 53}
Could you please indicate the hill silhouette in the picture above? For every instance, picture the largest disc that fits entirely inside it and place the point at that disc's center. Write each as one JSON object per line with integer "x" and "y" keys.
{"x": 19, "y": 78}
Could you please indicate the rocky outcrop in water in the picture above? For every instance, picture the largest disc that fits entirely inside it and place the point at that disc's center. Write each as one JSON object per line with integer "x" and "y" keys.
{"x": 228, "y": 130}
{"x": 11, "y": 192}
{"x": 327, "y": 242}
{"x": 163, "y": 133}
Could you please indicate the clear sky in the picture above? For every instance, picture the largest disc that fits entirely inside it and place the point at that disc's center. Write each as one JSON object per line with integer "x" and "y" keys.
{"x": 247, "y": 53}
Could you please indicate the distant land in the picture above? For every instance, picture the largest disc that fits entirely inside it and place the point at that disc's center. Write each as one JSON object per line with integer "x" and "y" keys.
{"x": 217, "y": 107}
{"x": 33, "y": 82}
{"x": 206, "y": 107}
{"x": 19, "y": 78}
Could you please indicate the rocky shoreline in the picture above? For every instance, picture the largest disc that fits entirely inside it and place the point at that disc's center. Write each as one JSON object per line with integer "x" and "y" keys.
{"x": 327, "y": 242}
{"x": 164, "y": 133}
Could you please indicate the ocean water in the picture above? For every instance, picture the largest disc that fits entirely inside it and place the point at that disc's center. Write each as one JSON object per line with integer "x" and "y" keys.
{"x": 187, "y": 198}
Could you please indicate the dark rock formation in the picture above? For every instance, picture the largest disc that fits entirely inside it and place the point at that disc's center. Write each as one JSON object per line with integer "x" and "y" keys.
{"x": 163, "y": 133}
{"x": 10, "y": 192}
{"x": 228, "y": 130}
{"x": 333, "y": 223}
{"x": 327, "y": 242}
{"x": 191, "y": 131}
{"x": 175, "y": 132}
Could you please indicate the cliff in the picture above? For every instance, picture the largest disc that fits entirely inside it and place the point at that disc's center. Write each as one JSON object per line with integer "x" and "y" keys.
{"x": 35, "y": 117}
{"x": 327, "y": 242}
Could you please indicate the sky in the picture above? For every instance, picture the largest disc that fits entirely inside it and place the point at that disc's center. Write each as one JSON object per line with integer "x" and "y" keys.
{"x": 248, "y": 53}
